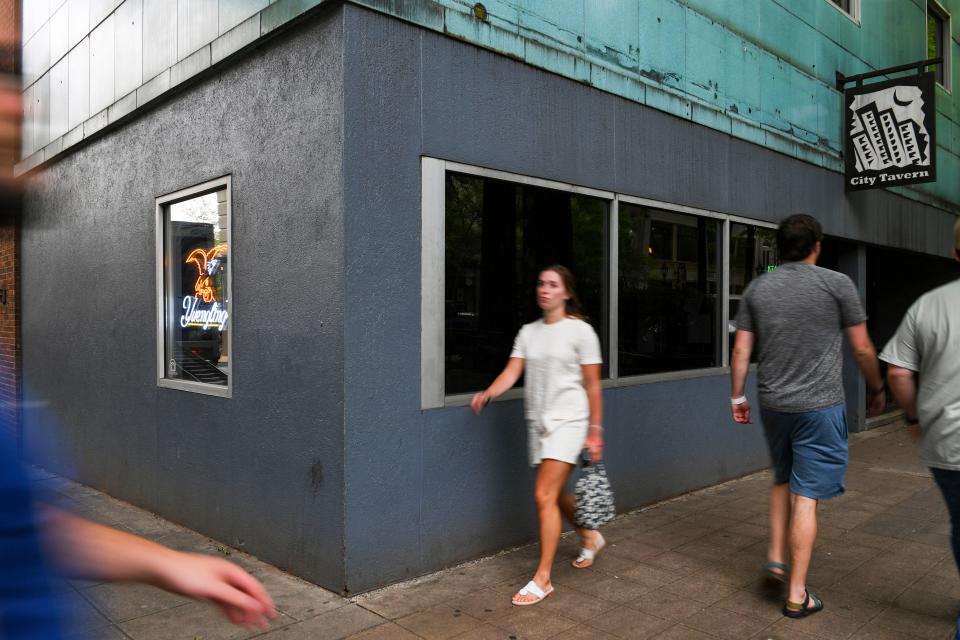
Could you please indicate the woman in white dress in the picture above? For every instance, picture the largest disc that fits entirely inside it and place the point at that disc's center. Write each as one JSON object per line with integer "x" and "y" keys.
{"x": 560, "y": 356}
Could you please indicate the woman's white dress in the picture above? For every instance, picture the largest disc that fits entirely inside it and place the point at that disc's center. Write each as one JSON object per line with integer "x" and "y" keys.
{"x": 555, "y": 400}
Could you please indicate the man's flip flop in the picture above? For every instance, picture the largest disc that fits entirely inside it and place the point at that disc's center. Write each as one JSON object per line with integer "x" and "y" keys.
{"x": 804, "y": 610}
{"x": 531, "y": 589}
{"x": 589, "y": 554}
{"x": 776, "y": 572}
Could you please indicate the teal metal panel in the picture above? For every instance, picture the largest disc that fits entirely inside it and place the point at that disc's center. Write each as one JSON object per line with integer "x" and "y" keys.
{"x": 557, "y": 22}
{"x": 612, "y": 36}
{"x": 761, "y": 70}
{"x": 704, "y": 56}
{"x": 662, "y": 37}
{"x": 484, "y": 33}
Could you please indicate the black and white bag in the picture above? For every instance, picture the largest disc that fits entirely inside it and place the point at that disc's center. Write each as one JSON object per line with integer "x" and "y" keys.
{"x": 594, "y": 497}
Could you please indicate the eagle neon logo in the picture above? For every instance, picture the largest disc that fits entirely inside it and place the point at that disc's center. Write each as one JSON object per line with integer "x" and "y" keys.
{"x": 214, "y": 316}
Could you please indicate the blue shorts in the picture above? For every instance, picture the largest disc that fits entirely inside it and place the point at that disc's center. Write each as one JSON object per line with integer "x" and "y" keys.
{"x": 808, "y": 449}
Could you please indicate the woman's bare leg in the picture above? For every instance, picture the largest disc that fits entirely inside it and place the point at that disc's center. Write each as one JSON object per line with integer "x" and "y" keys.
{"x": 551, "y": 477}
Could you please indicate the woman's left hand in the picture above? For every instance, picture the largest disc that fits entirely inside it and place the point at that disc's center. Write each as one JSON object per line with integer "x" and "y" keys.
{"x": 594, "y": 445}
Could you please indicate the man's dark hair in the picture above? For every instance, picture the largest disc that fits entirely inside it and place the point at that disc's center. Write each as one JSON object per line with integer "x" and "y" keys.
{"x": 797, "y": 236}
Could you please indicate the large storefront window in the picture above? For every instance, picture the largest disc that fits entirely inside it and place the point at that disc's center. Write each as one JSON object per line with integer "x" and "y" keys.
{"x": 669, "y": 291}
{"x": 753, "y": 252}
{"x": 195, "y": 299}
{"x": 499, "y": 234}
{"x": 653, "y": 276}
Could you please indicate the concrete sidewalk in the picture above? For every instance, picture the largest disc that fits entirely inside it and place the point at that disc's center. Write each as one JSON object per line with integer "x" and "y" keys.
{"x": 686, "y": 568}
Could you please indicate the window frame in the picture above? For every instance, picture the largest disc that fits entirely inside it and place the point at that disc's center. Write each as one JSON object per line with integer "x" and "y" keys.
{"x": 946, "y": 39}
{"x": 852, "y": 15}
{"x": 223, "y": 183}
{"x": 433, "y": 274}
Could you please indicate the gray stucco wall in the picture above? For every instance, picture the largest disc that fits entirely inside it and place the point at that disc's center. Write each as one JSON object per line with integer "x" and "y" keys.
{"x": 262, "y": 470}
{"x": 425, "y": 489}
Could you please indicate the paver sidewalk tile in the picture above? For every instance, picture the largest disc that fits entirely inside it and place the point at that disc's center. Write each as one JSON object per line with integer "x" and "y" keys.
{"x": 725, "y": 624}
{"x": 918, "y": 624}
{"x": 439, "y": 622}
{"x": 634, "y": 549}
{"x": 583, "y": 632}
{"x": 333, "y": 625}
{"x": 401, "y": 600}
{"x": 933, "y": 604}
{"x": 944, "y": 585}
{"x": 81, "y": 615}
{"x": 487, "y": 631}
{"x": 681, "y": 565}
{"x": 627, "y": 622}
{"x": 122, "y": 602}
{"x": 388, "y": 631}
{"x": 616, "y": 590}
{"x": 783, "y": 634}
{"x": 828, "y": 624}
{"x": 488, "y": 603}
{"x": 189, "y": 621}
{"x": 760, "y": 604}
{"x": 683, "y": 632}
{"x": 875, "y": 631}
{"x": 533, "y": 623}
{"x": 700, "y": 589}
{"x": 103, "y": 633}
{"x": 666, "y": 605}
{"x": 576, "y": 605}
{"x": 851, "y": 605}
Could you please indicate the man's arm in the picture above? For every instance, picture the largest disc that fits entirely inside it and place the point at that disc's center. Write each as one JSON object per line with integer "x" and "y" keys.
{"x": 865, "y": 356}
{"x": 85, "y": 549}
{"x": 739, "y": 364}
{"x": 903, "y": 386}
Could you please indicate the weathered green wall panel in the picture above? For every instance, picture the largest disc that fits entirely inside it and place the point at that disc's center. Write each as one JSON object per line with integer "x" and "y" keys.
{"x": 761, "y": 70}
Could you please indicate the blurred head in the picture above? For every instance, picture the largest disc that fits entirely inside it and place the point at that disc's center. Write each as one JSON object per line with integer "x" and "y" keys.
{"x": 555, "y": 289}
{"x": 799, "y": 236}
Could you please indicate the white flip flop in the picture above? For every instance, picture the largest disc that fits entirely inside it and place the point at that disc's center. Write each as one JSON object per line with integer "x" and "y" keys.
{"x": 589, "y": 554}
{"x": 532, "y": 589}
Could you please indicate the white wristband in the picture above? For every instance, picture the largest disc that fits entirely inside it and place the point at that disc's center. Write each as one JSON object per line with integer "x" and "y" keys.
{"x": 739, "y": 400}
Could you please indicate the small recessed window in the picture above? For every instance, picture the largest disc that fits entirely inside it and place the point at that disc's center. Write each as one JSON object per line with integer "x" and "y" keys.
{"x": 193, "y": 273}
{"x": 849, "y": 7}
{"x": 938, "y": 41}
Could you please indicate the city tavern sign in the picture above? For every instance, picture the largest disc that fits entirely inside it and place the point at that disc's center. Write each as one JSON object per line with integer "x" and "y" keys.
{"x": 889, "y": 131}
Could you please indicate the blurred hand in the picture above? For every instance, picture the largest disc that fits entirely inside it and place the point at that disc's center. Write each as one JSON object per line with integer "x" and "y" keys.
{"x": 741, "y": 413}
{"x": 877, "y": 403}
{"x": 240, "y": 597}
{"x": 915, "y": 431}
{"x": 594, "y": 446}
{"x": 479, "y": 401}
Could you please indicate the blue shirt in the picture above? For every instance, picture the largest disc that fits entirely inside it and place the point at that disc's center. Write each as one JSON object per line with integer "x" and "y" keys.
{"x": 29, "y": 607}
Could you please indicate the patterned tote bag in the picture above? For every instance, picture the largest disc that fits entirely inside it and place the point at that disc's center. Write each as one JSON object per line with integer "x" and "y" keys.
{"x": 594, "y": 497}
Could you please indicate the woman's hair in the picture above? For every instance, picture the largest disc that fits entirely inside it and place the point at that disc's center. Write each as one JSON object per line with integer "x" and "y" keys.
{"x": 573, "y": 308}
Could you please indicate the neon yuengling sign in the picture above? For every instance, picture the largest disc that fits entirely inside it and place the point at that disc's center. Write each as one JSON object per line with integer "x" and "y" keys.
{"x": 202, "y": 309}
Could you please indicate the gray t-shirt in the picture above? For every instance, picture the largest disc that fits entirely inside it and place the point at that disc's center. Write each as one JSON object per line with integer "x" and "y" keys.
{"x": 928, "y": 342}
{"x": 798, "y": 314}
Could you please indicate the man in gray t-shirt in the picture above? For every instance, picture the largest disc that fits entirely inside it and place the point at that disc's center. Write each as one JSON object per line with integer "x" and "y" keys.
{"x": 797, "y": 316}
{"x": 928, "y": 343}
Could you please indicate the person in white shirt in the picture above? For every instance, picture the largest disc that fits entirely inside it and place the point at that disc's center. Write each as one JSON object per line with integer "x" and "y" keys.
{"x": 924, "y": 376}
{"x": 560, "y": 357}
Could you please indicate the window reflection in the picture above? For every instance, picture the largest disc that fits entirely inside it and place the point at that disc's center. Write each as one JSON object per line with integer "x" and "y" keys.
{"x": 668, "y": 289}
{"x": 499, "y": 235}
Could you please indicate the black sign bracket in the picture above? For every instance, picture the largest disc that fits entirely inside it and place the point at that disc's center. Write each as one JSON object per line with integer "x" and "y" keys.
{"x": 920, "y": 66}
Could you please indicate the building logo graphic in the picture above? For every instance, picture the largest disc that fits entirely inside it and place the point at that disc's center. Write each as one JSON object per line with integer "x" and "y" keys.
{"x": 890, "y": 137}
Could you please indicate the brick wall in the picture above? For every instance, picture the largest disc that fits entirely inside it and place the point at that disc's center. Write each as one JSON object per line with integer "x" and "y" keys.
{"x": 9, "y": 217}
